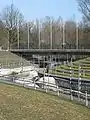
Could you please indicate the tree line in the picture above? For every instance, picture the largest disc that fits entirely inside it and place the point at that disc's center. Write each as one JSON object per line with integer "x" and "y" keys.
{"x": 46, "y": 33}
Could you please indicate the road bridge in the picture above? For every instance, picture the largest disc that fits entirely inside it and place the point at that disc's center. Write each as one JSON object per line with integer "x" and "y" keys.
{"x": 52, "y": 51}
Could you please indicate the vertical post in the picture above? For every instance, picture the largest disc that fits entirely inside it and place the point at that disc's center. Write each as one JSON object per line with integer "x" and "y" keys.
{"x": 58, "y": 58}
{"x": 71, "y": 96}
{"x": 21, "y": 63}
{"x": 34, "y": 85}
{"x": 83, "y": 73}
{"x": 28, "y": 34}
{"x": 44, "y": 63}
{"x": 71, "y": 61}
{"x": 67, "y": 58}
{"x": 44, "y": 79}
{"x": 44, "y": 72}
{"x": 77, "y": 35}
{"x": 56, "y": 65}
{"x": 51, "y": 32}
{"x": 54, "y": 62}
{"x": 61, "y": 23}
{"x": 51, "y": 63}
{"x": 79, "y": 82}
{"x": 63, "y": 43}
{"x": 57, "y": 90}
{"x": 22, "y": 70}
{"x": 48, "y": 72}
{"x": 18, "y": 36}
{"x": 86, "y": 99}
{"x": 48, "y": 81}
{"x": 39, "y": 32}
{"x": 8, "y": 39}
{"x": 34, "y": 69}
{"x": 38, "y": 61}
{"x": 50, "y": 59}
{"x": 46, "y": 87}
{"x": 13, "y": 79}
{"x": 34, "y": 63}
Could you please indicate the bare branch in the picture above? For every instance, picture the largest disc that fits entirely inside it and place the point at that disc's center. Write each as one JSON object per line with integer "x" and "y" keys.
{"x": 11, "y": 16}
{"x": 84, "y": 7}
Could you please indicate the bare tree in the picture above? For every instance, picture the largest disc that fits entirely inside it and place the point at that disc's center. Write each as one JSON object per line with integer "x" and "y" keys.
{"x": 45, "y": 33}
{"x": 57, "y": 32}
{"x": 12, "y": 19}
{"x": 11, "y": 16}
{"x": 84, "y": 7}
{"x": 3, "y": 36}
{"x": 51, "y": 32}
{"x": 70, "y": 33}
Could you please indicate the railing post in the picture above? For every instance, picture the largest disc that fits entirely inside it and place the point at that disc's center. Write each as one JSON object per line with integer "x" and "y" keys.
{"x": 83, "y": 73}
{"x": 51, "y": 63}
{"x": 39, "y": 60}
{"x": 43, "y": 78}
{"x": 71, "y": 96}
{"x": 63, "y": 42}
{"x": 57, "y": 90}
{"x": 67, "y": 58}
{"x": 46, "y": 87}
{"x": 55, "y": 66}
{"x": 48, "y": 81}
{"x": 34, "y": 85}
{"x": 79, "y": 82}
{"x": 86, "y": 99}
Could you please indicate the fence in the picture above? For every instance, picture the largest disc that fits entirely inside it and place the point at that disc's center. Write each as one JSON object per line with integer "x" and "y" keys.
{"x": 74, "y": 95}
{"x": 67, "y": 92}
{"x": 81, "y": 97}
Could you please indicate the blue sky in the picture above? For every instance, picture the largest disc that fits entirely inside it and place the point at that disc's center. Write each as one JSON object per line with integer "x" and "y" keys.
{"x": 33, "y": 9}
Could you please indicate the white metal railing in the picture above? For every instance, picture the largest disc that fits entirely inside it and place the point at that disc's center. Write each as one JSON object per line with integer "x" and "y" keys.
{"x": 47, "y": 87}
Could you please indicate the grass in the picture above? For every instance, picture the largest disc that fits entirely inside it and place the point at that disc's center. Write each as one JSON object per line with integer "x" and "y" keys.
{"x": 10, "y": 60}
{"x": 64, "y": 70}
{"x": 18, "y": 103}
{"x": 65, "y": 74}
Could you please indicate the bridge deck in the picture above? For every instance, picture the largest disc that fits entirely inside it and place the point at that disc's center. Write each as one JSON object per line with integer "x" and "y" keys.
{"x": 53, "y": 51}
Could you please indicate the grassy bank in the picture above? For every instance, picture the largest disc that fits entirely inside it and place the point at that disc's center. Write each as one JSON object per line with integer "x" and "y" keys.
{"x": 17, "y": 103}
{"x": 10, "y": 60}
{"x": 64, "y": 70}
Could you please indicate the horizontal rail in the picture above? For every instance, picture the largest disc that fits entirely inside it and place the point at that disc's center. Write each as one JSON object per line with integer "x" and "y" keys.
{"x": 52, "y": 51}
{"x": 57, "y": 91}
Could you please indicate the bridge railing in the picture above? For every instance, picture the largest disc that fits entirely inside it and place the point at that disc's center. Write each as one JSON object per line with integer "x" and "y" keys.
{"x": 66, "y": 46}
